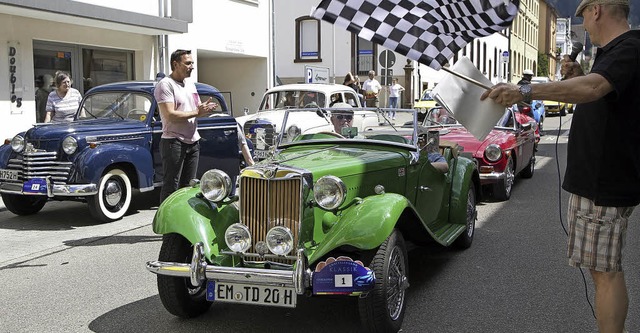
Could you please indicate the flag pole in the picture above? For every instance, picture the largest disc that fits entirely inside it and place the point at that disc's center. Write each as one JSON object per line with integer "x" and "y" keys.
{"x": 466, "y": 78}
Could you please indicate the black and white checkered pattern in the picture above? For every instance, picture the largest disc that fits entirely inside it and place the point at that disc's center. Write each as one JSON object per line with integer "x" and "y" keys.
{"x": 428, "y": 31}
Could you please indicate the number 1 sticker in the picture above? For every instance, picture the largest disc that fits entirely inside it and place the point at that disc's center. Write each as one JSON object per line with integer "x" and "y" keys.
{"x": 343, "y": 280}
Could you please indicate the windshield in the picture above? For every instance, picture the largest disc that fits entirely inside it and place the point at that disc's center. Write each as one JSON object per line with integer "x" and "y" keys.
{"x": 293, "y": 99}
{"x": 118, "y": 105}
{"x": 442, "y": 117}
{"x": 356, "y": 124}
{"x": 426, "y": 96}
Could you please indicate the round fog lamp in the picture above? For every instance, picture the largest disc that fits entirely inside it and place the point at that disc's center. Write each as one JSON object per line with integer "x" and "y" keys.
{"x": 237, "y": 237}
{"x": 280, "y": 241}
{"x": 17, "y": 143}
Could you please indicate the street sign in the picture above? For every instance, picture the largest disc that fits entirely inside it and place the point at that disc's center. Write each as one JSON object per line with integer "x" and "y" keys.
{"x": 505, "y": 56}
{"x": 387, "y": 59}
{"x": 316, "y": 74}
{"x": 386, "y": 75}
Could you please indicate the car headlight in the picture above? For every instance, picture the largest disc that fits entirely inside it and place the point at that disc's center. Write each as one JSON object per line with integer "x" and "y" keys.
{"x": 493, "y": 152}
{"x": 238, "y": 237}
{"x": 280, "y": 241}
{"x": 215, "y": 185}
{"x": 329, "y": 192}
{"x": 293, "y": 131}
{"x": 17, "y": 143}
{"x": 69, "y": 145}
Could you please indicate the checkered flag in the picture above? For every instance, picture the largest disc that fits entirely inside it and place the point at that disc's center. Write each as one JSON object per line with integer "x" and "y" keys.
{"x": 428, "y": 31}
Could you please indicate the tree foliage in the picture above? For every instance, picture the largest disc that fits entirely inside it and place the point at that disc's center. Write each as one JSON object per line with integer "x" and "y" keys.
{"x": 543, "y": 65}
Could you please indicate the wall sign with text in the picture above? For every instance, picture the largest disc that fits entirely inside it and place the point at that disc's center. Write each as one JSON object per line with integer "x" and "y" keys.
{"x": 15, "y": 80}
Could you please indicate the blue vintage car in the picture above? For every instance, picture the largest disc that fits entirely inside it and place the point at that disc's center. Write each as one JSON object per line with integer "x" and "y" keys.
{"x": 110, "y": 149}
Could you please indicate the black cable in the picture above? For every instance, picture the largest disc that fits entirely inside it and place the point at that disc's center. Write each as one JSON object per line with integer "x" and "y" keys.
{"x": 584, "y": 279}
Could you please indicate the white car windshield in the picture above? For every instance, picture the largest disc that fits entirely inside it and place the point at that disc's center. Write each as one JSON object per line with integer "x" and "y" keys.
{"x": 293, "y": 99}
{"x": 350, "y": 123}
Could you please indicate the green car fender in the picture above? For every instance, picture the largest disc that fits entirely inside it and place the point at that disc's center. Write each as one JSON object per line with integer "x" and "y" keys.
{"x": 465, "y": 174}
{"x": 364, "y": 225}
{"x": 196, "y": 219}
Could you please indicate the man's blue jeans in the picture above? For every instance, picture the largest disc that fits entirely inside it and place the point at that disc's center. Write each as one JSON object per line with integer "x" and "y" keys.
{"x": 179, "y": 164}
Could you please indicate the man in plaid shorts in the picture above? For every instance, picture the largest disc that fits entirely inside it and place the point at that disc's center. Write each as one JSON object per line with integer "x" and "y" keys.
{"x": 603, "y": 155}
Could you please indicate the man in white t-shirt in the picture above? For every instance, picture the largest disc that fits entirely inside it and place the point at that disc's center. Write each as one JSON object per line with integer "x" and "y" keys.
{"x": 371, "y": 89}
{"x": 179, "y": 105}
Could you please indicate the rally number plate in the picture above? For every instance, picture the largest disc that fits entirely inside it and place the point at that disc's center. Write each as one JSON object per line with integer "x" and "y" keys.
{"x": 8, "y": 174}
{"x": 249, "y": 294}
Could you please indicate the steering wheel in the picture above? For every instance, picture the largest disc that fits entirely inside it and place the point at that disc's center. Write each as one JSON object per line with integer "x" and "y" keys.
{"x": 135, "y": 112}
{"x": 334, "y": 134}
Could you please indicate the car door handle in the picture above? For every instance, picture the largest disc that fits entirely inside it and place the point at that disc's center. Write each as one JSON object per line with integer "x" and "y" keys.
{"x": 424, "y": 188}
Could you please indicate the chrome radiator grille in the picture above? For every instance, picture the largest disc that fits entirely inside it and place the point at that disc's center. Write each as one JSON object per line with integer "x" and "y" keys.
{"x": 40, "y": 165}
{"x": 266, "y": 203}
{"x": 261, "y": 135}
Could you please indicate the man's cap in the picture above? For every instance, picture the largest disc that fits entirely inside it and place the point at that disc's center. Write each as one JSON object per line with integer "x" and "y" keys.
{"x": 586, "y": 3}
{"x": 341, "y": 105}
{"x": 527, "y": 72}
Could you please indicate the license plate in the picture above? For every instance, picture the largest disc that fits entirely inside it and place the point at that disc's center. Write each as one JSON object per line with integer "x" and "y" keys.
{"x": 249, "y": 294}
{"x": 8, "y": 174}
{"x": 261, "y": 153}
{"x": 35, "y": 186}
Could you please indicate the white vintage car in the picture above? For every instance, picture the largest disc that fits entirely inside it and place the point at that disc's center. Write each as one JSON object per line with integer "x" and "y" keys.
{"x": 263, "y": 127}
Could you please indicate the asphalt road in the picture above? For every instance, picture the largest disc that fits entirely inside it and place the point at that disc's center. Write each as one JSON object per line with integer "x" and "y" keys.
{"x": 61, "y": 272}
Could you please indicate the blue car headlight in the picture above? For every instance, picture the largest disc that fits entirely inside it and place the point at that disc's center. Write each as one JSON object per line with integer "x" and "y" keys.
{"x": 17, "y": 143}
{"x": 69, "y": 145}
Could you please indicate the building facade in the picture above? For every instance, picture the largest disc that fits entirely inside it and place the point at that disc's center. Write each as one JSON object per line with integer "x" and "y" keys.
{"x": 524, "y": 37}
{"x": 301, "y": 41}
{"x": 547, "y": 41}
{"x": 99, "y": 41}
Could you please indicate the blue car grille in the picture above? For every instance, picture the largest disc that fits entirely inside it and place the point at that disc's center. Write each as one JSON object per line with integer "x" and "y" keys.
{"x": 40, "y": 164}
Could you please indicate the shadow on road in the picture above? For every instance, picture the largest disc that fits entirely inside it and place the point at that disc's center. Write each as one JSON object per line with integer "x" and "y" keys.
{"x": 111, "y": 240}
{"x": 317, "y": 314}
{"x": 68, "y": 215}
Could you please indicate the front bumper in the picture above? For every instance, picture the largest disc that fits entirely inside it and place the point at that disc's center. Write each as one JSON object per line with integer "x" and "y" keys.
{"x": 53, "y": 190}
{"x": 198, "y": 271}
{"x": 492, "y": 177}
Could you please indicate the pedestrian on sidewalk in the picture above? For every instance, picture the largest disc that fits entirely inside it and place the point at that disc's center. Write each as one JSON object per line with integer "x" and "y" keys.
{"x": 394, "y": 96}
{"x": 179, "y": 105}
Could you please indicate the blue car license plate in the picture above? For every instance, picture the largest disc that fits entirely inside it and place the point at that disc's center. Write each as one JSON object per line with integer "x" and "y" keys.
{"x": 35, "y": 186}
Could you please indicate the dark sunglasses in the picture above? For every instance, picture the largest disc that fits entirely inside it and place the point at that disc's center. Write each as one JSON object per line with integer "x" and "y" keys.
{"x": 341, "y": 117}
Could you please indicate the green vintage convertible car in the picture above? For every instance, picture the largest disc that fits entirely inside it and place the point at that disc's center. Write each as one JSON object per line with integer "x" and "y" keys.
{"x": 327, "y": 213}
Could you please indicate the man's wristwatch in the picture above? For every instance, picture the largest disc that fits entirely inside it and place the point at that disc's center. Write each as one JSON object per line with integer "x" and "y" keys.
{"x": 525, "y": 90}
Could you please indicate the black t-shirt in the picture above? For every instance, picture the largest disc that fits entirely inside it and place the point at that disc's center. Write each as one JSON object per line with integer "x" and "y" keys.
{"x": 603, "y": 156}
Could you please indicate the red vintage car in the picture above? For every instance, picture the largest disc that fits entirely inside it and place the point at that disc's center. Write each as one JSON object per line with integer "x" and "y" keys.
{"x": 507, "y": 151}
